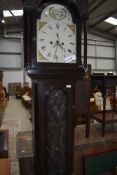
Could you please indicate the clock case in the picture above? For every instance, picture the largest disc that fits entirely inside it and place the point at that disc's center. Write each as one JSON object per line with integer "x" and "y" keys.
{"x": 53, "y": 86}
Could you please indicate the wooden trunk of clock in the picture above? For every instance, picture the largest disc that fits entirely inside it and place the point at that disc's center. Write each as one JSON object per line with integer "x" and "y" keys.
{"x": 53, "y": 127}
{"x": 53, "y": 118}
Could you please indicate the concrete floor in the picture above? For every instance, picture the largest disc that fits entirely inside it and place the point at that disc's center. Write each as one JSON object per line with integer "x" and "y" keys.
{"x": 16, "y": 118}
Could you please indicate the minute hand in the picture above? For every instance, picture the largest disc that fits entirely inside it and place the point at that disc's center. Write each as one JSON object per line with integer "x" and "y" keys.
{"x": 60, "y": 46}
{"x": 58, "y": 36}
{"x": 63, "y": 49}
{"x": 59, "y": 40}
{"x": 57, "y": 44}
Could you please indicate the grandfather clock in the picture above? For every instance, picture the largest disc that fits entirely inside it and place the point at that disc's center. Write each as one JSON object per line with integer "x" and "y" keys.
{"x": 52, "y": 47}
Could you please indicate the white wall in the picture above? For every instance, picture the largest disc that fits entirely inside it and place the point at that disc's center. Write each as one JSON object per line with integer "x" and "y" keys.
{"x": 11, "y": 53}
{"x": 14, "y": 77}
{"x": 101, "y": 54}
{"x": 12, "y": 64}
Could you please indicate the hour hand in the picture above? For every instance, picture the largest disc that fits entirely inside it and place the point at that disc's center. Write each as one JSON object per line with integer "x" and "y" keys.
{"x": 57, "y": 36}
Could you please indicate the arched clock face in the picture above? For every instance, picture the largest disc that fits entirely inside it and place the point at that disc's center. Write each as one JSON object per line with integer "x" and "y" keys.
{"x": 56, "y": 42}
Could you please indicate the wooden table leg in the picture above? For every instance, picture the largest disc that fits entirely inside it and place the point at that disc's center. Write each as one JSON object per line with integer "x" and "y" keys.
{"x": 88, "y": 125}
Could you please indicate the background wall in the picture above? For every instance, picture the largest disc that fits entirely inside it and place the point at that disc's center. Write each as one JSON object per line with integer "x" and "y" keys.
{"x": 15, "y": 76}
{"x": 11, "y": 53}
{"x": 101, "y": 54}
{"x": 11, "y": 60}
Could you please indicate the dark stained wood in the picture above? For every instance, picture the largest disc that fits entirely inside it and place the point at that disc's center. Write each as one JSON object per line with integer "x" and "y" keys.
{"x": 82, "y": 101}
{"x": 82, "y": 94}
{"x": 4, "y": 144}
{"x": 42, "y": 91}
{"x": 26, "y": 165}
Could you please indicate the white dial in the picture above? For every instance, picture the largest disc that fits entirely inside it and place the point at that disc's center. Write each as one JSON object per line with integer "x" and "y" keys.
{"x": 56, "y": 43}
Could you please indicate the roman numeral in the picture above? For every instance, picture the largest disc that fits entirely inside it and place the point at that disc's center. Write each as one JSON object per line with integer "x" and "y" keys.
{"x": 69, "y": 50}
{"x": 57, "y": 26}
{"x": 49, "y": 54}
{"x": 43, "y": 48}
{"x": 72, "y": 43}
{"x": 41, "y": 39}
{"x": 69, "y": 35}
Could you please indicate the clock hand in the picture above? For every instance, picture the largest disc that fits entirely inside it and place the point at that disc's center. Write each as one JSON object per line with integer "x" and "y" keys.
{"x": 62, "y": 47}
{"x": 57, "y": 44}
{"x": 57, "y": 36}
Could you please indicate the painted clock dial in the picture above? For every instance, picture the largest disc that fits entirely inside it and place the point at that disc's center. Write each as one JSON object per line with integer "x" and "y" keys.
{"x": 56, "y": 42}
{"x": 56, "y": 12}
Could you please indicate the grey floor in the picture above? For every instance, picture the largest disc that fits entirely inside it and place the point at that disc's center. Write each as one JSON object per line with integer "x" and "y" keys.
{"x": 16, "y": 118}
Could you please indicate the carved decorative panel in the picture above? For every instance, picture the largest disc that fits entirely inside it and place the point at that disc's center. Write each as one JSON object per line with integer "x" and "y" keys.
{"x": 57, "y": 127}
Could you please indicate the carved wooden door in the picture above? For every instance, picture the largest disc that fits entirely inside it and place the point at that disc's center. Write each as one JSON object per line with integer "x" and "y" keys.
{"x": 54, "y": 127}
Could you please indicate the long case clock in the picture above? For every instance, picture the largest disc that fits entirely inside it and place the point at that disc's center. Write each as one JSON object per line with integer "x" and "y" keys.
{"x": 52, "y": 47}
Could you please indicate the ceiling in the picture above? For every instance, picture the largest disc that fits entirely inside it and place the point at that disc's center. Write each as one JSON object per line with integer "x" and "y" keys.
{"x": 12, "y": 24}
{"x": 99, "y": 10}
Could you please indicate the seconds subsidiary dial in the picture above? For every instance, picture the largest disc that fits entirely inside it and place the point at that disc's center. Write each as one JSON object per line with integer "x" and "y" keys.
{"x": 56, "y": 43}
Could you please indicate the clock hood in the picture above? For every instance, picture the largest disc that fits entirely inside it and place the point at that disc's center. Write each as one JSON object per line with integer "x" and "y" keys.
{"x": 32, "y": 13}
{"x": 80, "y": 6}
